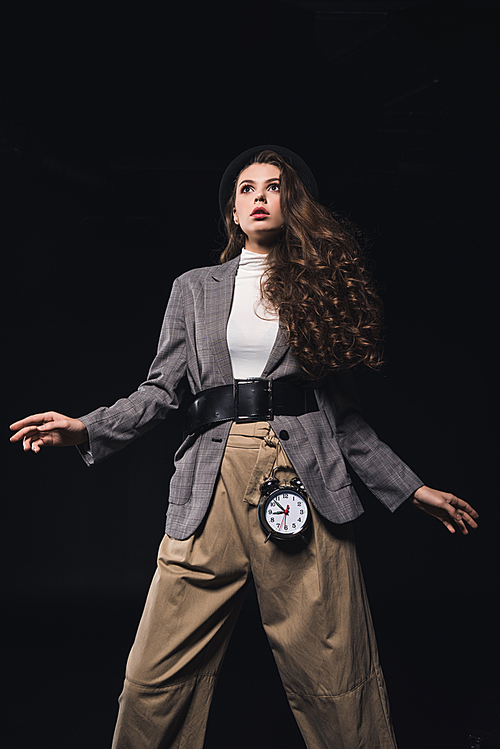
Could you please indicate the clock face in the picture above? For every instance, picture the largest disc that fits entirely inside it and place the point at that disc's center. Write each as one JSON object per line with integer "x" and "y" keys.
{"x": 285, "y": 512}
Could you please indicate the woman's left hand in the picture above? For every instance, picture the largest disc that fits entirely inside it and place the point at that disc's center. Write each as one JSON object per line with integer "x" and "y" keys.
{"x": 450, "y": 510}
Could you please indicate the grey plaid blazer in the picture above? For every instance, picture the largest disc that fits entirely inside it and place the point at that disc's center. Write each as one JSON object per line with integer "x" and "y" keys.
{"x": 193, "y": 349}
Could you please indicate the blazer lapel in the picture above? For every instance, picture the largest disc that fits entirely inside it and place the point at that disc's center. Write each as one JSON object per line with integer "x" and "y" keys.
{"x": 218, "y": 297}
{"x": 278, "y": 351}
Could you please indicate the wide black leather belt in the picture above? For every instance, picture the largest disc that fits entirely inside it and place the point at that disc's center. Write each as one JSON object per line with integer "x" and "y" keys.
{"x": 255, "y": 399}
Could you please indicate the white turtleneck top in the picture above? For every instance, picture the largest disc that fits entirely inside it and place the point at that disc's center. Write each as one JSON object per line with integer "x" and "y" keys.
{"x": 251, "y": 329}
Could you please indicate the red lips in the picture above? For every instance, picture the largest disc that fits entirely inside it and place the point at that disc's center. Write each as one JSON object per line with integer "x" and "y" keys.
{"x": 259, "y": 210}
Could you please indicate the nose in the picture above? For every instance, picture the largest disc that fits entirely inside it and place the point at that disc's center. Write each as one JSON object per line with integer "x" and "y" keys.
{"x": 260, "y": 196}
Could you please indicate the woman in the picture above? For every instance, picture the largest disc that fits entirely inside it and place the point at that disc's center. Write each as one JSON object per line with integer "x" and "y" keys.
{"x": 265, "y": 342}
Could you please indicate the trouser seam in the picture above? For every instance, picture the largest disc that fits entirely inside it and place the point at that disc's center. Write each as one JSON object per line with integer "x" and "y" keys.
{"x": 339, "y": 694}
{"x": 159, "y": 690}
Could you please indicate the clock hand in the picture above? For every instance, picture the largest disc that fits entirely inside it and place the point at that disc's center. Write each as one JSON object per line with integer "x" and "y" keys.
{"x": 284, "y": 516}
{"x": 281, "y": 508}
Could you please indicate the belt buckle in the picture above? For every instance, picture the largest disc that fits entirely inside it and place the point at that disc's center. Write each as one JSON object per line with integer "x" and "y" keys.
{"x": 267, "y": 415}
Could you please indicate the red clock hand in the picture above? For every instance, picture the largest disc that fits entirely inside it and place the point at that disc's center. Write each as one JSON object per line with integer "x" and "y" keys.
{"x": 284, "y": 516}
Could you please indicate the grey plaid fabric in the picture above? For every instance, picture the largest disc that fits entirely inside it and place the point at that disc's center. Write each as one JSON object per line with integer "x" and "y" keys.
{"x": 193, "y": 349}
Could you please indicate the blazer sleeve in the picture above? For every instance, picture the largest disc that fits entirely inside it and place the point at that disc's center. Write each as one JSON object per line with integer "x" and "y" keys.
{"x": 112, "y": 428}
{"x": 380, "y": 469}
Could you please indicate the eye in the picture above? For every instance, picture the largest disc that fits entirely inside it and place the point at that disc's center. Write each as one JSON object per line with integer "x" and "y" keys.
{"x": 275, "y": 187}
{"x": 245, "y": 188}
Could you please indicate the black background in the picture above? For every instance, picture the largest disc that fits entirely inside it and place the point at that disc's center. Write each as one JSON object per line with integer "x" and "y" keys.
{"x": 116, "y": 128}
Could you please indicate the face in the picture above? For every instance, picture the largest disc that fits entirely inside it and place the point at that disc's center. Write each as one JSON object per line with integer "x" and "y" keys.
{"x": 257, "y": 207}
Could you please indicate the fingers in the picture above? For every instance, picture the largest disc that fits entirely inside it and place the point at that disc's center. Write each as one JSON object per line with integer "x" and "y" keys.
{"x": 24, "y": 434}
{"x": 31, "y": 439}
{"x": 457, "y": 521}
{"x": 34, "y": 446}
{"x": 24, "y": 427}
{"x": 453, "y": 518}
{"x": 465, "y": 518}
{"x": 60, "y": 423}
{"x": 35, "y": 439}
{"x": 463, "y": 521}
{"x": 462, "y": 513}
{"x": 448, "y": 525}
{"x": 34, "y": 419}
{"x": 463, "y": 506}
{"x": 50, "y": 429}
{"x": 33, "y": 426}
{"x": 460, "y": 524}
{"x": 470, "y": 521}
{"x": 27, "y": 435}
{"x": 31, "y": 442}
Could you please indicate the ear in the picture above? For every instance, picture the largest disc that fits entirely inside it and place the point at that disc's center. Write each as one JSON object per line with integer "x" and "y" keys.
{"x": 235, "y": 216}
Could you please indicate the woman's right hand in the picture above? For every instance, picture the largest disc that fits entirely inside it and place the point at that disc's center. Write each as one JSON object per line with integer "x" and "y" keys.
{"x": 49, "y": 429}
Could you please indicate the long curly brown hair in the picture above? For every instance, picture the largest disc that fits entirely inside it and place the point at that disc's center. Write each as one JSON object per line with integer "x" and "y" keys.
{"x": 316, "y": 280}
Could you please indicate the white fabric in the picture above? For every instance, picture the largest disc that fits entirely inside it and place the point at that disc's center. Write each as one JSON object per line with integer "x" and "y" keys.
{"x": 251, "y": 329}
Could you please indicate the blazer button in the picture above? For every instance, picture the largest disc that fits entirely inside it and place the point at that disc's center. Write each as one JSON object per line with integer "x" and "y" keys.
{"x": 283, "y": 435}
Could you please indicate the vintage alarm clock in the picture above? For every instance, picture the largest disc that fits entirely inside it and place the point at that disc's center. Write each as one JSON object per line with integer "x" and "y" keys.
{"x": 283, "y": 510}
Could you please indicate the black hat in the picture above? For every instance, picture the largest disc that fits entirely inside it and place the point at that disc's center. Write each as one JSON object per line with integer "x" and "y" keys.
{"x": 237, "y": 164}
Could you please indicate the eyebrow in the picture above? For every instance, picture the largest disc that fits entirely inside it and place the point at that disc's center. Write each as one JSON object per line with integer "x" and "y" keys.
{"x": 267, "y": 181}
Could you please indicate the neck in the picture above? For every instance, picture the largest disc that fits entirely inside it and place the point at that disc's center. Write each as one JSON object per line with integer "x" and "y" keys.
{"x": 259, "y": 244}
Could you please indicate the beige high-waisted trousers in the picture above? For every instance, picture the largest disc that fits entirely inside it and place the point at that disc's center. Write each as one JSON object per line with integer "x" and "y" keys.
{"x": 313, "y": 606}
